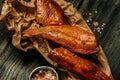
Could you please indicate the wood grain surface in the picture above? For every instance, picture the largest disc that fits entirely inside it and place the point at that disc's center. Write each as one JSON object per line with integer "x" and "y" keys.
{"x": 103, "y": 16}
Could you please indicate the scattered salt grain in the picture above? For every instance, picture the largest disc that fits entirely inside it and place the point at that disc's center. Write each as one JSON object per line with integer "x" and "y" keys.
{"x": 102, "y": 28}
{"x": 103, "y": 24}
{"x": 96, "y": 24}
{"x": 96, "y": 11}
{"x": 90, "y": 14}
{"x": 98, "y": 29}
{"x": 87, "y": 21}
{"x": 90, "y": 19}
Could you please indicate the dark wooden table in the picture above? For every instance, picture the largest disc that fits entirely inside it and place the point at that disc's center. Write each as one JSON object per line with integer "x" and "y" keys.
{"x": 103, "y": 16}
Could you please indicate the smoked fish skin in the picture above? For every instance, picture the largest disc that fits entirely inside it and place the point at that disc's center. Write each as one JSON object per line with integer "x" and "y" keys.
{"x": 73, "y": 38}
{"x": 77, "y": 64}
{"x": 48, "y": 12}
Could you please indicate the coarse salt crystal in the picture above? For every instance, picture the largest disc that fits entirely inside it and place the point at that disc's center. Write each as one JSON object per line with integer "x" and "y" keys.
{"x": 95, "y": 24}
{"x": 96, "y": 11}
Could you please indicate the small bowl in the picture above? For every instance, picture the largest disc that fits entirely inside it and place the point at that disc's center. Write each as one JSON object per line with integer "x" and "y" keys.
{"x": 41, "y": 69}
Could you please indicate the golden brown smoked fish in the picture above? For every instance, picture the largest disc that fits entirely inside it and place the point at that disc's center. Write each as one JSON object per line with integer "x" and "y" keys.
{"x": 71, "y": 37}
{"x": 49, "y": 12}
{"x": 77, "y": 64}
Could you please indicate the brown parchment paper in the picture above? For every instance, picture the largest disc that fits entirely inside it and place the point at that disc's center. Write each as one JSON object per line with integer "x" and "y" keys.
{"x": 20, "y": 15}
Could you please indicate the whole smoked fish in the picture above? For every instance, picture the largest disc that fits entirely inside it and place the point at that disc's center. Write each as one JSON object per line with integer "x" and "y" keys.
{"x": 71, "y": 37}
{"x": 77, "y": 64}
{"x": 49, "y": 12}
